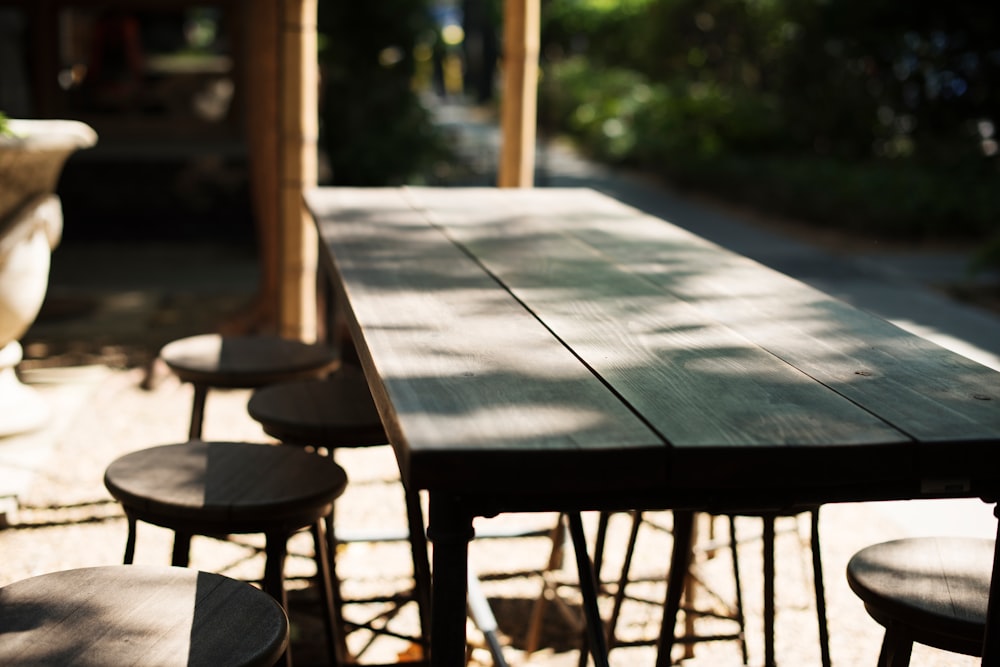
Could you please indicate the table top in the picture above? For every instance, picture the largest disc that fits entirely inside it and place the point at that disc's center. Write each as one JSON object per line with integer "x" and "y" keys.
{"x": 533, "y": 341}
{"x": 132, "y": 614}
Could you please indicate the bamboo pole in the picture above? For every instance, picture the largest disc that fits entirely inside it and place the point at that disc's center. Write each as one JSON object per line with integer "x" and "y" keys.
{"x": 520, "y": 93}
{"x": 299, "y": 134}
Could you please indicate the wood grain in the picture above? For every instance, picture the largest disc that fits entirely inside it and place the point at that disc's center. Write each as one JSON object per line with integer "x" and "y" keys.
{"x": 937, "y": 587}
{"x": 335, "y": 411}
{"x": 245, "y": 361}
{"x": 457, "y": 366}
{"x": 127, "y": 615}
{"x": 242, "y": 486}
{"x": 497, "y": 321}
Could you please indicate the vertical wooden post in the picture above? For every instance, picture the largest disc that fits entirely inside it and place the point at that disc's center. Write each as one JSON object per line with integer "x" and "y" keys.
{"x": 299, "y": 134}
{"x": 520, "y": 93}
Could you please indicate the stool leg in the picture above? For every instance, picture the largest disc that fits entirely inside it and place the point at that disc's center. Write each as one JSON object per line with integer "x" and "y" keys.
{"x": 557, "y": 538}
{"x": 824, "y": 635}
{"x": 588, "y": 589}
{"x": 331, "y": 551}
{"x": 600, "y": 538}
{"x": 680, "y": 560}
{"x": 689, "y": 594}
{"x": 130, "y": 540}
{"x": 197, "y": 411}
{"x": 603, "y": 518}
{"x": 482, "y": 616}
{"x": 332, "y": 545}
{"x": 421, "y": 562}
{"x": 623, "y": 579}
{"x": 182, "y": 549}
{"x": 275, "y": 552}
{"x": 896, "y": 648}
{"x": 740, "y": 618}
{"x": 769, "y": 591}
{"x": 335, "y": 640}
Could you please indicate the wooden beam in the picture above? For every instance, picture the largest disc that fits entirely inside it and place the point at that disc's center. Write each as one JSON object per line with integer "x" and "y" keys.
{"x": 299, "y": 134}
{"x": 520, "y": 93}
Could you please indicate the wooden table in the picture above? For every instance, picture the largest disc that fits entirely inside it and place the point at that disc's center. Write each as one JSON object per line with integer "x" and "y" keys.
{"x": 553, "y": 349}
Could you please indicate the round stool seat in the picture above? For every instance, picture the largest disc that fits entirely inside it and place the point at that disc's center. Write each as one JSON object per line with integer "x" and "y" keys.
{"x": 132, "y": 615}
{"x": 932, "y": 590}
{"x": 336, "y": 411}
{"x": 244, "y": 362}
{"x": 227, "y": 487}
{"x": 220, "y": 488}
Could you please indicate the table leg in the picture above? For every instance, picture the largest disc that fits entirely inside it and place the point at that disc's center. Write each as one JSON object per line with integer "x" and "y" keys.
{"x": 450, "y": 530}
{"x": 768, "y": 539}
{"x": 991, "y": 642}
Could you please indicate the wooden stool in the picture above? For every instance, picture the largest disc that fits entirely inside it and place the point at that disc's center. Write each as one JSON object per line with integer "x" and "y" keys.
{"x": 221, "y": 488}
{"x": 680, "y": 562}
{"x": 929, "y": 590}
{"x": 131, "y": 615}
{"x": 240, "y": 362}
{"x": 637, "y": 519}
{"x": 677, "y": 578}
{"x": 332, "y": 413}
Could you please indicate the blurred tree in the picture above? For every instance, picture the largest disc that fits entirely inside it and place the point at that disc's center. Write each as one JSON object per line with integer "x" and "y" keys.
{"x": 855, "y": 78}
{"x": 481, "y": 21}
{"x": 895, "y": 79}
{"x": 871, "y": 113}
{"x": 374, "y": 129}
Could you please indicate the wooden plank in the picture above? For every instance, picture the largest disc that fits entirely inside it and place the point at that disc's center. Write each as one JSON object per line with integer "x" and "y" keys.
{"x": 457, "y": 366}
{"x": 923, "y": 389}
{"x": 926, "y": 390}
{"x": 724, "y": 358}
{"x": 699, "y": 382}
{"x": 702, "y": 386}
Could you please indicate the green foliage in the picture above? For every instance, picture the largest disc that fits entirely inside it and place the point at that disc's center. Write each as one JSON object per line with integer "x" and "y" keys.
{"x": 599, "y": 107}
{"x": 872, "y": 115}
{"x": 604, "y": 28}
{"x": 619, "y": 114}
{"x": 887, "y": 198}
{"x": 4, "y": 126}
{"x": 374, "y": 129}
{"x": 908, "y": 75}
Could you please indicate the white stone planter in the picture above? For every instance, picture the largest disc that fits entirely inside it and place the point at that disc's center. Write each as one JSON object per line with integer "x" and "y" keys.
{"x": 30, "y": 227}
